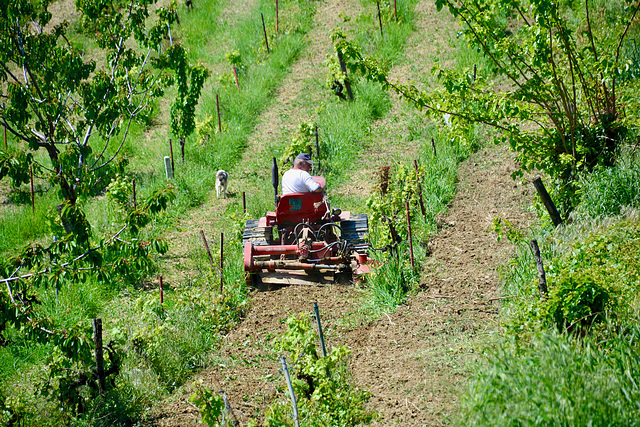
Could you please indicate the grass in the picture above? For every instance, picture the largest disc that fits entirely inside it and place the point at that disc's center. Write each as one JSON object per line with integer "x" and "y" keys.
{"x": 557, "y": 380}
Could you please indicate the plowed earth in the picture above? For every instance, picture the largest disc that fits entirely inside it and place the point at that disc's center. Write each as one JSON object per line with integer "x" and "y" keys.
{"x": 415, "y": 360}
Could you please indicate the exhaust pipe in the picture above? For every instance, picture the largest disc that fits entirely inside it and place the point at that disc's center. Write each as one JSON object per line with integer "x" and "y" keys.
{"x": 274, "y": 179}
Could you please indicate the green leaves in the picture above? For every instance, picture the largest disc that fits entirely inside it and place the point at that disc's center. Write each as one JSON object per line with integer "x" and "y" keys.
{"x": 210, "y": 404}
{"x": 324, "y": 393}
{"x": 558, "y": 79}
{"x": 189, "y": 81}
{"x": 16, "y": 166}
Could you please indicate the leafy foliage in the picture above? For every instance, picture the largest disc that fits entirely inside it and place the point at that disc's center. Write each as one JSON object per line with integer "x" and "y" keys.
{"x": 189, "y": 81}
{"x": 323, "y": 392}
{"x": 300, "y": 143}
{"x": 561, "y": 109}
{"x": 388, "y": 209}
{"x": 210, "y": 404}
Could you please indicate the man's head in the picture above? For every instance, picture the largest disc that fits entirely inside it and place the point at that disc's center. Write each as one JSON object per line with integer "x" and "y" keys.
{"x": 303, "y": 161}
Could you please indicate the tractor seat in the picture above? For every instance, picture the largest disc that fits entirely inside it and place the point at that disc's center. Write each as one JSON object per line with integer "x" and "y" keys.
{"x": 295, "y": 208}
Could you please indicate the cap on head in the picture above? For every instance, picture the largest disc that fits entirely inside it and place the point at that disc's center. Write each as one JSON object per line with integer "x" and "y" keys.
{"x": 304, "y": 157}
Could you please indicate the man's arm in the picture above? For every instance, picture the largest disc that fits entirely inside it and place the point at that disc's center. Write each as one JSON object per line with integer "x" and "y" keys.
{"x": 313, "y": 185}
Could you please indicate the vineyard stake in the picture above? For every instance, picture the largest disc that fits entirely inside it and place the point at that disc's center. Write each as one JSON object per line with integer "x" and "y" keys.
{"x": 317, "y": 143}
{"x": 415, "y": 163}
{"x": 161, "y": 292}
{"x": 320, "y": 334}
{"x": 293, "y": 396}
{"x": 433, "y": 145}
{"x": 410, "y": 239}
{"x": 235, "y": 73}
{"x": 542, "y": 280}
{"x": 264, "y": 29}
{"x": 395, "y": 10}
{"x": 277, "y": 18}
{"x": 173, "y": 169}
{"x": 218, "y": 110}
{"x": 548, "y": 203}
{"x": 33, "y": 201}
{"x": 316, "y": 311}
{"x": 5, "y": 138}
{"x": 133, "y": 184}
{"x": 379, "y": 18}
{"x": 182, "y": 148}
{"x": 206, "y": 246}
{"x": 97, "y": 340}
{"x": 221, "y": 261}
{"x": 244, "y": 203}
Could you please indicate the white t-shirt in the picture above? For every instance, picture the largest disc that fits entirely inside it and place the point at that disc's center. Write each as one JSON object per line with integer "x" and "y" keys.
{"x": 298, "y": 181}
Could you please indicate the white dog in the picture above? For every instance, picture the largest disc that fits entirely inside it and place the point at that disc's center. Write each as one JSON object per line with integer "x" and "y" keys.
{"x": 222, "y": 179}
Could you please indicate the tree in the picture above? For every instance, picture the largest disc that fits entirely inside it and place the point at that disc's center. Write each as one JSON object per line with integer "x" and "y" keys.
{"x": 78, "y": 107}
{"x": 57, "y": 99}
{"x": 561, "y": 97}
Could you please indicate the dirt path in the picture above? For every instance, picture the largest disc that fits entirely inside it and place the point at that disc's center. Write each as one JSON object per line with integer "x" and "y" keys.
{"x": 415, "y": 360}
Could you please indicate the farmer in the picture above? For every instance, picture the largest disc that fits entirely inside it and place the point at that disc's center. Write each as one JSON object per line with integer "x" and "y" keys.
{"x": 298, "y": 180}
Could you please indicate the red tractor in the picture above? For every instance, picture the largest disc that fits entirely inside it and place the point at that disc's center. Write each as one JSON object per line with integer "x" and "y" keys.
{"x": 312, "y": 243}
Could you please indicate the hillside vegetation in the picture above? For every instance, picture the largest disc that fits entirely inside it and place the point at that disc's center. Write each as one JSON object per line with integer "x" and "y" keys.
{"x": 96, "y": 234}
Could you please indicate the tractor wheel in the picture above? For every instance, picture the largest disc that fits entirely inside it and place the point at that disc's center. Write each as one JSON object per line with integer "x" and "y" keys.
{"x": 355, "y": 229}
{"x": 259, "y": 236}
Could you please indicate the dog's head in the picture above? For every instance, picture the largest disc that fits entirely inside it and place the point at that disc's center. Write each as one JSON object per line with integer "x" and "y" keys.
{"x": 222, "y": 175}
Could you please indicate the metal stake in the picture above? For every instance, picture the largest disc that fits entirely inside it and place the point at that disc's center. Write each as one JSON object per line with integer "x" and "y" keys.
{"x": 293, "y": 396}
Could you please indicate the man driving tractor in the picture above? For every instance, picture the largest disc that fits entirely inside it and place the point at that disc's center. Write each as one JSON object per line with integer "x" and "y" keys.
{"x": 298, "y": 180}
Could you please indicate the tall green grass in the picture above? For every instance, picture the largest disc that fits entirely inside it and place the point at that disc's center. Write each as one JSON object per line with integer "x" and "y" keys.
{"x": 557, "y": 380}
{"x": 607, "y": 191}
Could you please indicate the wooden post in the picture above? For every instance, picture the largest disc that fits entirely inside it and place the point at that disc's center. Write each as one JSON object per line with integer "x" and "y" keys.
{"x": 97, "y": 341}
{"x": 415, "y": 163}
{"x": 218, "y": 109}
{"x": 542, "y": 280}
{"x": 395, "y": 10}
{"x": 235, "y": 73}
{"x": 343, "y": 68}
{"x": 33, "y": 200}
{"x": 264, "y": 29}
{"x": 244, "y": 203}
{"x": 548, "y": 203}
{"x": 285, "y": 370}
{"x": 171, "y": 152}
{"x": 206, "y": 246}
{"x": 133, "y": 184}
{"x": 410, "y": 239}
{"x": 277, "y": 18}
{"x": 379, "y": 18}
{"x": 221, "y": 261}
{"x": 433, "y": 145}
{"x": 161, "y": 292}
